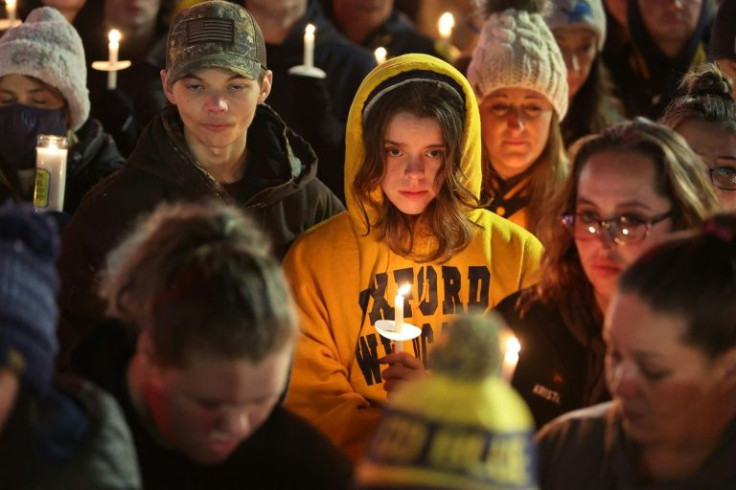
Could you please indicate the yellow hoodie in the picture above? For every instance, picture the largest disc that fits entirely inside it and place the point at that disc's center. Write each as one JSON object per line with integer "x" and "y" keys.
{"x": 344, "y": 280}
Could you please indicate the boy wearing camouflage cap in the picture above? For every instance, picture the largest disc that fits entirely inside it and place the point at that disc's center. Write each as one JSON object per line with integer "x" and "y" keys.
{"x": 217, "y": 139}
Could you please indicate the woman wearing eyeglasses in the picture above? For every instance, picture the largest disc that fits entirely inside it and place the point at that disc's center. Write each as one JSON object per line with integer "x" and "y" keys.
{"x": 629, "y": 188}
{"x": 704, "y": 113}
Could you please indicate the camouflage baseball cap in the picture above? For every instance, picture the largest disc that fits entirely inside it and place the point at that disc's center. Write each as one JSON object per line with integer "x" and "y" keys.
{"x": 215, "y": 34}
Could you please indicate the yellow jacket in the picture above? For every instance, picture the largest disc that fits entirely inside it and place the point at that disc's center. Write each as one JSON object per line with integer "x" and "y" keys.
{"x": 344, "y": 280}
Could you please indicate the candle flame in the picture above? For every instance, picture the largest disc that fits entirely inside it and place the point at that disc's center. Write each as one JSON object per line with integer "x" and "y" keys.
{"x": 380, "y": 53}
{"x": 114, "y": 36}
{"x": 513, "y": 345}
{"x": 404, "y": 290}
{"x": 309, "y": 30}
{"x": 446, "y": 24}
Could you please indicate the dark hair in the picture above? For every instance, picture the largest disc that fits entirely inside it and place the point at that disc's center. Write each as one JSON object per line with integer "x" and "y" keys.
{"x": 489, "y": 7}
{"x": 679, "y": 177}
{"x": 445, "y": 218}
{"x": 593, "y": 108}
{"x": 694, "y": 277}
{"x": 200, "y": 276}
{"x": 704, "y": 94}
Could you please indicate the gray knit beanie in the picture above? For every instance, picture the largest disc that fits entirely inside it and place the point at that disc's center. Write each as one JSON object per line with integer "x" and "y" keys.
{"x": 517, "y": 49}
{"x": 588, "y": 14}
{"x": 48, "y": 48}
{"x": 723, "y": 34}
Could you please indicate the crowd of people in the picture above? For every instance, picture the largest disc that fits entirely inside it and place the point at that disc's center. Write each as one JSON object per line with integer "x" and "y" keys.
{"x": 511, "y": 269}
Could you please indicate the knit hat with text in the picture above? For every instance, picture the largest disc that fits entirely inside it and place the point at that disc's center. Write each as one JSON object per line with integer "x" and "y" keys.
{"x": 48, "y": 48}
{"x": 461, "y": 427}
{"x": 587, "y": 14}
{"x": 517, "y": 49}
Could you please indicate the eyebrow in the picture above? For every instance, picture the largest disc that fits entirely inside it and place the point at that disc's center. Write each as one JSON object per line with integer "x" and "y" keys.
{"x": 526, "y": 97}
{"x": 432, "y": 145}
{"x": 235, "y": 76}
{"x": 626, "y": 204}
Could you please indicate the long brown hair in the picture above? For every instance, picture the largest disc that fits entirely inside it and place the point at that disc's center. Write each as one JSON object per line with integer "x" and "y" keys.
{"x": 680, "y": 177}
{"x": 445, "y": 219}
{"x": 550, "y": 170}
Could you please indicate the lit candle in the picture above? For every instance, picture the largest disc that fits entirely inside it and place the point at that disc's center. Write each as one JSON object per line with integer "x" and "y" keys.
{"x": 445, "y": 26}
{"x": 309, "y": 45}
{"x": 399, "y": 314}
{"x": 113, "y": 48}
{"x": 10, "y": 10}
{"x": 510, "y": 357}
{"x": 380, "y": 53}
{"x": 51, "y": 154}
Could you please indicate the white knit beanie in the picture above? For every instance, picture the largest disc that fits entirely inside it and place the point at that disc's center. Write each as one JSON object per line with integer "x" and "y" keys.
{"x": 578, "y": 13}
{"x": 48, "y": 48}
{"x": 517, "y": 49}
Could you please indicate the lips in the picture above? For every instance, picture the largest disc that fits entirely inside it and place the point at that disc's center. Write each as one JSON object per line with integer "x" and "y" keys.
{"x": 216, "y": 127}
{"x": 606, "y": 267}
{"x": 222, "y": 446}
{"x": 412, "y": 194}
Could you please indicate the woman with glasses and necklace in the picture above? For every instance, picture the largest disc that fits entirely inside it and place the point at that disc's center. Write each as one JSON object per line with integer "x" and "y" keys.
{"x": 671, "y": 369}
{"x": 704, "y": 113}
{"x": 629, "y": 188}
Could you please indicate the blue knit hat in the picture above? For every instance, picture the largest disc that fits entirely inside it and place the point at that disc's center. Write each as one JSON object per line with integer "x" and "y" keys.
{"x": 28, "y": 286}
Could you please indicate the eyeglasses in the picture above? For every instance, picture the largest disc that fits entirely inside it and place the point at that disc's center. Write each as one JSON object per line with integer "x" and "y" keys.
{"x": 626, "y": 229}
{"x": 722, "y": 171}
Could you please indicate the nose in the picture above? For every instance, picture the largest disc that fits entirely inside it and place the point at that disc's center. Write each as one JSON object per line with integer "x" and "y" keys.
{"x": 215, "y": 103}
{"x": 415, "y": 168}
{"x": 514, "y": 119}
{"x": 572, "y": 62}
{"x": 235, "y": 423}
{"x": 622, "y": 381}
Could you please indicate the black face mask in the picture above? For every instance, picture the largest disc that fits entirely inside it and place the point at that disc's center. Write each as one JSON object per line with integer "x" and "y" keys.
{"x": 20, "y": 126}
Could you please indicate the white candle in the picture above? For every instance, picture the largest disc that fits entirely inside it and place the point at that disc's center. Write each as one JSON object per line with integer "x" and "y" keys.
{"x": 510, "y": 357}
{"x": 51, "y": 152}
{"x": 399, "y": 314}
{"x": 380, "y": 53}
{"x": 445, "y": 26}
{"x": 309, "y": 45}
{"x": 10, "y": 10}
{"x": 113, "y": 49}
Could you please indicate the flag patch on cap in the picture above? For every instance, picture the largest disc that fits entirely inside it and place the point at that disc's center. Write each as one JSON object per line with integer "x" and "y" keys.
{"x": 210, "y": 31}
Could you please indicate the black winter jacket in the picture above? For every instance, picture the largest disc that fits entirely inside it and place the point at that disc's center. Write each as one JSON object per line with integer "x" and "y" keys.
{"x": 279, "y": 189}
{"x": 557, "y": 371}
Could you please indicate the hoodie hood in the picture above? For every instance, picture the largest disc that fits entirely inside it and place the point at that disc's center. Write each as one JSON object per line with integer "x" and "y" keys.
{"x": 396, "y": 68}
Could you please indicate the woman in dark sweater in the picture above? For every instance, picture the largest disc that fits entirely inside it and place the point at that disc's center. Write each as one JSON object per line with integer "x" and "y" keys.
{"x": 629, "y": 188}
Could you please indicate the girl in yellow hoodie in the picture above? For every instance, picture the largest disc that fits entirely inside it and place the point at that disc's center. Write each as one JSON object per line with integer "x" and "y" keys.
{"x": 412, "y": 184}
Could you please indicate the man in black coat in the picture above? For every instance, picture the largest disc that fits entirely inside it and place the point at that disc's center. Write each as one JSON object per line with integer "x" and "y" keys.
{"x": 218, "y": 140}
